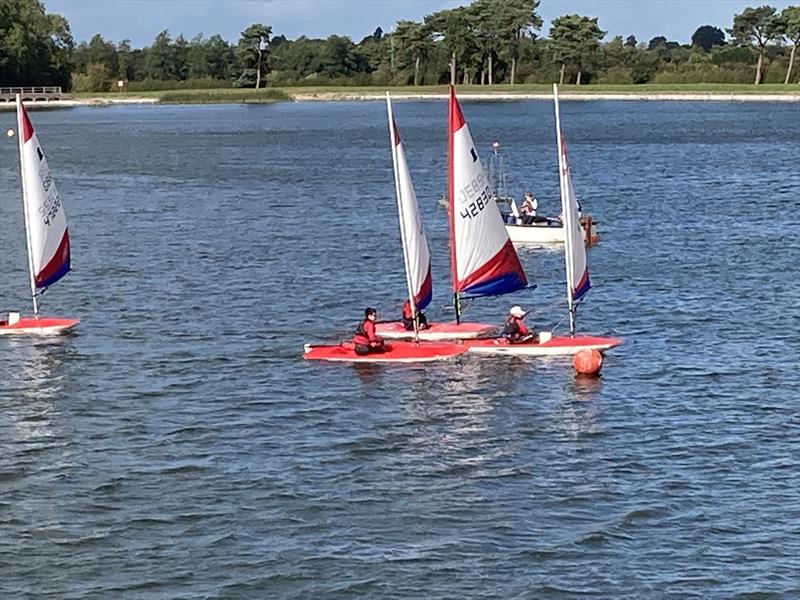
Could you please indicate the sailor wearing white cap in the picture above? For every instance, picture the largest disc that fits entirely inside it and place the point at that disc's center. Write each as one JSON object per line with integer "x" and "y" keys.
{"x": 515, "y": 330}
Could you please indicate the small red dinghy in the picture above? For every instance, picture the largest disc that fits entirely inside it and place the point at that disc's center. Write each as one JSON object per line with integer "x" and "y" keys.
{"x": 36, "y": 326}
{"x": 577, "y": 272}
{"x": 435, "y": 331}
{"x": 46, "y": 234}
{"x": 396, "y": 352}
{"x": 554, "y": 346}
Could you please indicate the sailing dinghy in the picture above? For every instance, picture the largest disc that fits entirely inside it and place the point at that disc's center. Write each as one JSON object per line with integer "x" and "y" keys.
{"x": 417, "y": 263}
{"x": 578, "y": 283}
{"x": 397, "y": 351}
{"x": 46, "y": 235}
{"x": 416, "y": 256}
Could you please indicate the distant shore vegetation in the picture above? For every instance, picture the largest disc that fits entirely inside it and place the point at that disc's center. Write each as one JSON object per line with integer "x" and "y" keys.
{"x": 486, "y": 43}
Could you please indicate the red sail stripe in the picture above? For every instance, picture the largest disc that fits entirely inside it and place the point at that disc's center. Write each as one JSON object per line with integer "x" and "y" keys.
{"x": 505, "y": 261}
{"x": 396, "y": 133}
{"x": 59, "y": 258}
{"x": 27, "y": 128}
{"x": 452, "y": 118}
{"x": 425, "y": 292}
{"x": 456, "y": 116}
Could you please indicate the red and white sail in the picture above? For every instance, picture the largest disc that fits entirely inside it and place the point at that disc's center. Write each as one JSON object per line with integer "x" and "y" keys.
{"x": 416, "y": 253}
{"x": 574, "y": 247}
{"x": 482, "y": 259}
{"x": 45, "y": 221}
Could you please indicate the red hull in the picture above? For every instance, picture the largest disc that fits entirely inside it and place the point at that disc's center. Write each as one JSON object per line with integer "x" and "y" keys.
{"x": 37, "y": 326}
{"x": 397, "y": 352}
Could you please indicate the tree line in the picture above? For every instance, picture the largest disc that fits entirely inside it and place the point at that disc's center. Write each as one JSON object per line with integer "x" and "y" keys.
{"x": 484, "y": 43}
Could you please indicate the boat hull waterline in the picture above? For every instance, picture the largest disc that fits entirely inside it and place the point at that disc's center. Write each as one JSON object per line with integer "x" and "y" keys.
{"x": 555, "y": 346}
{"x": 435, "y": 331}
{"x": 396, "y": 352}
{"x": 544, "y": 234}
{"x": 38, "y": 326}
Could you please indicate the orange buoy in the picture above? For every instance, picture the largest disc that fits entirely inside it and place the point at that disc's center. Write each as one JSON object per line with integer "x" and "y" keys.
{"x": 588, "y": 362}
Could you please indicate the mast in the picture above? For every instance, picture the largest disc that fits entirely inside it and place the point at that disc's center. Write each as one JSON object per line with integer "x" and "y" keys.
{"x": 451, "y": 212}
{"x": 497, "y": 172}
{"x": 395, "y": 139}
{"x": 567, "y": 212}
{"x": 20, "y": 133}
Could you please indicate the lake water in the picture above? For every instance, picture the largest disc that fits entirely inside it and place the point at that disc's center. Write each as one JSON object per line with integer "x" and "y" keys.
{"x": 177, "y": 446}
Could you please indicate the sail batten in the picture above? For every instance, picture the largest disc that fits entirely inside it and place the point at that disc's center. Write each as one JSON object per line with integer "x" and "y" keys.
{"x": 483, "y": 260}
{"x": 45, "y": 221}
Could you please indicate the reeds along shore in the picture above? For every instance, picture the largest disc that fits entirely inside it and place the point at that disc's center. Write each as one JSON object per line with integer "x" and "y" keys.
{"x": 692, "y": 92}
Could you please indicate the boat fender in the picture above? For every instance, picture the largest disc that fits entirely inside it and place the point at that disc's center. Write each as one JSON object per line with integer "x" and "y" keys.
{"x": 13, "y": 318}
{"x": 545, "y": 336}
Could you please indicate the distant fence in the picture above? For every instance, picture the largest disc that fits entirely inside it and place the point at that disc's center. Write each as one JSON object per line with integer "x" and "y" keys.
{"x": 30, "y": 94}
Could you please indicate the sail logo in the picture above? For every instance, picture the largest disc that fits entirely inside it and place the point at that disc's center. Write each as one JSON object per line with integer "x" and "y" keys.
{"x": 474, "y": 188}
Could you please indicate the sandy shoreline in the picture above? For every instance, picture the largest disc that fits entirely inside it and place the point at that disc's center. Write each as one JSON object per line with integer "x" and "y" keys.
{"x": 340, "y": 96}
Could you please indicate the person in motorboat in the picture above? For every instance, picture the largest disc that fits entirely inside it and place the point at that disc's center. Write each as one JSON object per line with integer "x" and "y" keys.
{"x": 515, "y": 330}
{"x": 529, "y": 207}
{"x": 365, "y": 339}
{"x": 408, "y": 318}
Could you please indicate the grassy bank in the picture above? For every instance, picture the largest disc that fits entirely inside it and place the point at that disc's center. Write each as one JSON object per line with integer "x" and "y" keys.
{"x": 276, "y": 94}
{"x": 236, "y": 96}
{"x": 212, "y": 96}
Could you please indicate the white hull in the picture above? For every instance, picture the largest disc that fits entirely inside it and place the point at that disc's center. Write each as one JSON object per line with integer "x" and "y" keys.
{"x": 556, "y": 346}
{"x": 541, "y": 234}
{"x": 536, "y": 351}
{"x": 437, "y": 332}
{"x": 34, "y": 330}
{"x": 426, "y": 336}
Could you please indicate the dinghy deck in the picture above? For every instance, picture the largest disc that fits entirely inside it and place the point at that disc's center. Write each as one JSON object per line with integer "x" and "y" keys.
{"x": 37, "y": 326}
{"x": 397, "y": 352}
{"x": 555, "y": 346}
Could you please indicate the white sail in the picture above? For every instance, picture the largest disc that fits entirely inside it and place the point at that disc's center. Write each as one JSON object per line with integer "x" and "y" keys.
{"x": 45, "y": 221}
{"x": 574, "y": 248}
{"x": 483, "y": 260}
{"x": 416, "y": 253}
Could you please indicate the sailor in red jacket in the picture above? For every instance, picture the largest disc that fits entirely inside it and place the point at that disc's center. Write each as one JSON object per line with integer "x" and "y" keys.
{"x": 515, "y": 331}
{"x": 365, "y": 340}
{"x": 408, "y": 319}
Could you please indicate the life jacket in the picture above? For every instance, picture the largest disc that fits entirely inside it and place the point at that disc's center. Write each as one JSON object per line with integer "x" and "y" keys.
{"x": 365, "y": 333}
{"x": 407, "y": 316}
{"x": 515, "y": 328}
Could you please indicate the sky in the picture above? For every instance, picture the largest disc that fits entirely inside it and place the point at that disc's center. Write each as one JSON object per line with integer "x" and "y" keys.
{"x": 141, "y": 20}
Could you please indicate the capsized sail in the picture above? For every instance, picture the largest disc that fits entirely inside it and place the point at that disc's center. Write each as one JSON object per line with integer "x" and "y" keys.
{"x": 45, "y": 221}
{"x": 415, "y": 245}
{"x": 574, "y": 247}
{"x": 483, "y": 261}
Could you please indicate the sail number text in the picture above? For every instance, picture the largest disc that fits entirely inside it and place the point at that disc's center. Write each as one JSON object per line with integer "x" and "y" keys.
{"x": 52, "y": 201}
{"x": 478, "y": 192}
